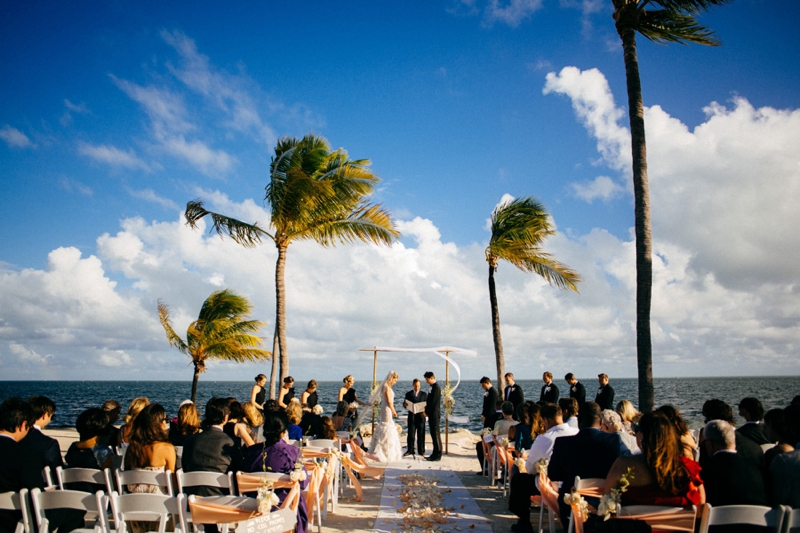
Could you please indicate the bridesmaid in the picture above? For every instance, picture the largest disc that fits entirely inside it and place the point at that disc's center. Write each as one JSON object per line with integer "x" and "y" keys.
{"x": 286, "y": 392}
{"x": 309, "y": 397}
{"x": 259, "y": 394}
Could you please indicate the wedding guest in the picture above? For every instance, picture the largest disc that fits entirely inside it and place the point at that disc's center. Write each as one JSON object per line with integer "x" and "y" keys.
{"x": 605, "y": 394}
{"x": 513, "y": 392}
{"x": 576, "y": 389}
{"x": 43, "y": 450}
{"x": 416, "y": 421}
{"x": 729, "y": 479}
{"x": 341, "y": 421}
{"x": 275, "y": 455}
{"x": 309, "y": 397}
{"x": 785, "y": 467}
{"x": 521, "y": 434}
{"x": 493, "y": 418}
{"x": 311, "y": 421}
{"x": 629, "y": 415}
{"x": 271, "y": 406}
{"x": 753, "y": 412}
{"x": 777, "y": 431}
{"x": 258, "y": 394}
{"x": 187, "y": 424}
{"x": 110, "y": 435}
{"x": 549, "y": 393}
{"x": 327, "y": 431}
{"x": 502, "y": 426}
{"x": 746, "y": 448}
{"x": 134, "y": 408}
{"x": 286, "y": 392}
{"x": 612, "y": 423}
{"x": 689, "y": 444}
{"x": 89, "y": 451}
{"x": 489, "y": 401}
{"x": 212, "y": 450}
{"x": 294, "y": 413}
{"x": 254, "y": 422}
{"x": 569, "y": 410}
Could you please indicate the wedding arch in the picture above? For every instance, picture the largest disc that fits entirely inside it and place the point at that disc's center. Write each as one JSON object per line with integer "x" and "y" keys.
{"x": 443, "y": 352}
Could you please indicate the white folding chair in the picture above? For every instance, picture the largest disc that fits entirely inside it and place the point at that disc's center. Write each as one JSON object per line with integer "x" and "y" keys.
{"x": 178, "y": 455}
{"x": 148, "y": 507}
{"x": 18, "y": 501}
{"x": 591, "y": 486}
{"x": 69, "y": 499}
{"x": 84, "y": 475}
{"x": 145, "y": 477}
{"x": 324, "y": 443}
{"x": 205, "y": 479}
{"x": 791, "y": 519}
{"x": 275, "y": 476}
{"x": 47, "y": 475}
{"x": 755, "y": 515}
{"x": 661, "y": 517}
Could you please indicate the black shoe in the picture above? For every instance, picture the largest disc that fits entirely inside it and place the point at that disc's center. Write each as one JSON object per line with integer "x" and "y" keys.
{"x": 408, "y": 453}
{"x": 435, "y": 458}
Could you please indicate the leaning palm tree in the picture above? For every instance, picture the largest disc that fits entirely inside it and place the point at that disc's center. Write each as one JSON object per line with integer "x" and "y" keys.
{"x": 220, "y": 332}
{"x": 518, "y": 229}
{"x": 660, "y": 21}
{"x": 313, "y": 193}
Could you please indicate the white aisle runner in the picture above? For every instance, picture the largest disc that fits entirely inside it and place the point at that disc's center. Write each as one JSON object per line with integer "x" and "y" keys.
{"x": 464, "y": 513}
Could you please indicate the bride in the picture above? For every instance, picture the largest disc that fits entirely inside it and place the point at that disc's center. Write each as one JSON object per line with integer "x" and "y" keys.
{"x": 385, "y": 442}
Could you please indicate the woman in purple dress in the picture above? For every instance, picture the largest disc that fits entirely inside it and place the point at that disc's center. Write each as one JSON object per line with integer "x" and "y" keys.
{"x": 275, "y": 455}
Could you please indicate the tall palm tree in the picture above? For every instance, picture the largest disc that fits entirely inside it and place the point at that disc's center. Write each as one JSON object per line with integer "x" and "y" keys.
{"x": 313, "y": 193}
{"x": 221, "y": 332}
{"x": 519, "y": 227}
{"x": 660, "y": 21}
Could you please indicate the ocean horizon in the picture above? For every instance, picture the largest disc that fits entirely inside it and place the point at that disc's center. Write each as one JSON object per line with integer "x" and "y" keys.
{"x": 685, "y": 394}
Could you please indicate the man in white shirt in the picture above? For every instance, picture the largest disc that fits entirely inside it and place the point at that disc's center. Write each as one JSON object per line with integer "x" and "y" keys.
{"x": 523, "y": 486}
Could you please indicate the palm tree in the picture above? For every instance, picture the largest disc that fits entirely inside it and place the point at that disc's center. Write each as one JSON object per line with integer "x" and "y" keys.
{"x": 660, "y": 21}
{"x": 220, "y": 332}
{"x": 313, "y": 193}
{"x": 518, "y": 229}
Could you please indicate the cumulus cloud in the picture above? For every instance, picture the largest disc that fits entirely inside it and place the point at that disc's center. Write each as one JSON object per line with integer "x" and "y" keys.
{"x": 151, "y": 196}
{"x": 511, "y": 12}
{"x": 602, "y": 188}
{"x": 15, "y": 138}
{"x": 113, "y": 156}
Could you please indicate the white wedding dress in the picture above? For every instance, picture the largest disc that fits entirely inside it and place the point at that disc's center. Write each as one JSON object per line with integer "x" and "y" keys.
{"x": 386, "y": 441}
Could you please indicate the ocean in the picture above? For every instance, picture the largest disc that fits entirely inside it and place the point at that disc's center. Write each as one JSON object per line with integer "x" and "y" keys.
{"x": 685, "y": 394}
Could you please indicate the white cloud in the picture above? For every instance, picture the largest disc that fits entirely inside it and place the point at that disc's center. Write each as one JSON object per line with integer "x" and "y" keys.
{"x": 112, "y": 155}
{"x": 511, "y": 12}
{"x": 15, "y": 138}
{"x": 66, "y": 118}
{"x": 199, "y": 155}
{"x": 72, "y": 185}
{"x": 150, "y": 195}
{"x": 602, "y": 188}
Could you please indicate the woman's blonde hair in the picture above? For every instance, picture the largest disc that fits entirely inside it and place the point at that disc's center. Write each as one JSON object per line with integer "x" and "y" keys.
{"x": 295, "y": 412}
{"x": 252, "y": 415}
{"x": 135, "y": 407}
{"x": 348, "y": 379}
{"x": 627, "y": 411}
{"x": 188, "y": 420}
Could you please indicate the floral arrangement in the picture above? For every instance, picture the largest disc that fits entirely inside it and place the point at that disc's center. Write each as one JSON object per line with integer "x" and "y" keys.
{"x": 610, "y": 504}
{"x": 519, "y": 462}
{"x": 504, "y": 442}
{"x": 267, "y": 499}
{"x": 353, "y": 406}
{"x": 541, "y": 466}
{"x": 317, "y": 409}
{"x": 299, "y": 473}
{"x": 485, "y": 431}
{"x": 574, "y": 498}
{"x": 422, "y": 504}
{"x": 448, "y": 400}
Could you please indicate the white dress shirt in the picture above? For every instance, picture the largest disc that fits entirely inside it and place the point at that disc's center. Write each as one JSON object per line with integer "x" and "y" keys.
{"x": 543, "y": 445}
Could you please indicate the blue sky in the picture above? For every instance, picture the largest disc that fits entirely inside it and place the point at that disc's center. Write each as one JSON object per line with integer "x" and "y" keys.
{"x": 114, "y": 114}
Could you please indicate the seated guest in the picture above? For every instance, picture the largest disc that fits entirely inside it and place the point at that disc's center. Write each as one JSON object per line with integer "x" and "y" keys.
{"x": 275, "y": 455}
{"x": 212, "y": 450}
{"x": 43, "y": 450}
{"x": 629, "y": 415}
{"x": 294, "y": 413}
{"x": 753, "y": 412}
{"x": 746, "y": 448}
{"x": 149, "y": 447}
{"x": 134, "y": 408}
{"x": 491, "y": 419}
{"x": 340, "y": 420}
{"x": 589, "y": 454}
{"x": 327, "y": 430}
{"x": 569, "y": 410}
{"x": 689, "y": 444}
{"x": 502, "y": 426}
{"x": 662, "y": 474}
{"x": 254, "y": 421}
{"x": 777, "y": 431}
{"x": 187, "y": 424}
{"x": 785, "y": 467}
{"x": 729, "y": 479}
{"x": 523, "y": 486}
{"x": 110, "y": 435}
{"x": 521, "y": 434}
{"x": 612, "y": 423}
{"x": 89, "y": 451}
{"x": 311, "y": 421}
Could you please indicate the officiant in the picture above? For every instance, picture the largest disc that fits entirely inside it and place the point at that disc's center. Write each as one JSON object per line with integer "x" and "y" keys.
{"x": 415, "y": 403}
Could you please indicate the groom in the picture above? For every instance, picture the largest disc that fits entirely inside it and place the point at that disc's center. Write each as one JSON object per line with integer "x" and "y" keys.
{"x": 433, "y": 412}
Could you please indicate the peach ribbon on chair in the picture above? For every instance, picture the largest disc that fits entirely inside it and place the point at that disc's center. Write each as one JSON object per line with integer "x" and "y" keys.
{"x": 316, "y": 479}
{"x": 211, "y": 513}
{"x": 251, "y": 483}
{"x": 577, "y": 518}
{"x": 679, "y": 520}
{"x": 549, "y": 494}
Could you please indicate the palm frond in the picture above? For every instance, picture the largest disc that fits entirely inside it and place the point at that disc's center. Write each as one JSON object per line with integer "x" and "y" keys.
{"x": 367, "y": 223}
{"x": 248, "y": 235}
{"x": 665, "y": 26}
{"x": 688, "y": 6}
{"x": 173, "y": 338}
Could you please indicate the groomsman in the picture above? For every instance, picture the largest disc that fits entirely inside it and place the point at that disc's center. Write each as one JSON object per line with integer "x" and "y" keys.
{"x": 605, "y": 394}
{"x": 489, "y": 399}
{"x": 576, "y": 389}
{"x": 416, "y": 422}
{"x": 513, "y": 393}
{"x": 433, "y": 411}
{"x": 549, "y": 392}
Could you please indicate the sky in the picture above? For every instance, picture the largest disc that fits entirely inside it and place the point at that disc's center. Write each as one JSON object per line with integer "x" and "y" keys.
{"x": 115, "y": 114}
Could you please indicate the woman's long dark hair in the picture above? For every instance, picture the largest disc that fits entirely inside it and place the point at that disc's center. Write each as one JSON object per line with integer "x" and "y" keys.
{"x": 275, "y": 423}
{"x": 662, "y": 450}
{"x": 148, "y": 428}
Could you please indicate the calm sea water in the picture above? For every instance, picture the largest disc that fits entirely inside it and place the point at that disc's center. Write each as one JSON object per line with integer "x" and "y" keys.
{"x": 686, "y": 394}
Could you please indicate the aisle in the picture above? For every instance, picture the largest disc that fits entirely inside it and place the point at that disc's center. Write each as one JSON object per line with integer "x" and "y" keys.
{"x": 464, "y": 514}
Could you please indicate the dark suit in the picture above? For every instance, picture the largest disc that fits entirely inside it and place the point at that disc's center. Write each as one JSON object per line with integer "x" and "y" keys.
{"x": 549, "y": 393}
{"x": 44, "y": 451}
{"x": 416, "y": 423}
{"x": 16, "y": 472}
{"x": 588, "y": 454}
{"x": 605, "y": 397}
{"x": 730, "y": 479}
{"x": 434, "y": 412}
{"x": 489, "y": 407}
{"x": 578, "y": 391}
{"x": 754, "y": 432}
{"x": 514, "y": 394}
{"x": 210, "y": 451}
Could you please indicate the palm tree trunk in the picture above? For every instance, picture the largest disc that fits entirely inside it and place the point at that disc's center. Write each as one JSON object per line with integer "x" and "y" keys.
{"x": 194, "y": 383}
{"x": 498, "y": 342}
{"x": 273, "y": 375}
{"x": 641, "y": 194}
{"x": 280, "y": 312}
